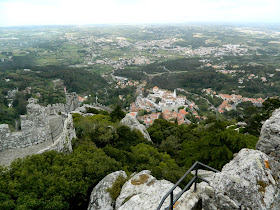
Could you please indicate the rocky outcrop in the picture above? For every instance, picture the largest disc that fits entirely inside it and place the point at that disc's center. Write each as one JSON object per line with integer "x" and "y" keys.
{"x": 269, "y": 141}
{"x": 247, "y": 182}
{"x": 133, "y": 123}
{"x": 208, "y": 175}
{"x": 191, "y": 200}
{"x": 142, "y": 191}
{"x": 100, "y": 198}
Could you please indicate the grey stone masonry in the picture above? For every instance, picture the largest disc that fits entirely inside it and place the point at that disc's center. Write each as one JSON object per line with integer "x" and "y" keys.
{"x": 35, "y": 129}
{"x": 42, "y": 129}
{"x": 64, "y": 142}
{"x": 72, "y": 102}
{"x": 54, "y": 109}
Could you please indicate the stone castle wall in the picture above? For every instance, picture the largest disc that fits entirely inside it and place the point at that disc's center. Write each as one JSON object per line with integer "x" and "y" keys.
{"x": 72, "y": 102}
{"x": 35, "y": 129}
{"x": 54, "y": 109}
{"x": 64, "y": 142}
{"x": 38, "y": 124}
{"x": 94, "y": 105}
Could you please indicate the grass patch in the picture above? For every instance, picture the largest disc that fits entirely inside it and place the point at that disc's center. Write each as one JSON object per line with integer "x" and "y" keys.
{"x": 262, "y": 186}
{"x": 115, "y": 190}
{"x": 127, "y": 199}
{"x": 142, "y": 179}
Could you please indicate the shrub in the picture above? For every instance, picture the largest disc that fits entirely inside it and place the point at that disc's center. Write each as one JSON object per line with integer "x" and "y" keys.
{"x": 115, "y": 190}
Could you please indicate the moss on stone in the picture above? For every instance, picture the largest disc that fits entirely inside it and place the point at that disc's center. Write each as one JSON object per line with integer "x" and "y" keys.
{"x": 141, "y": 180}
{"x": 127, "y": 199}
{"x": 262, "y": 186}
{"x": 115, "y": 190}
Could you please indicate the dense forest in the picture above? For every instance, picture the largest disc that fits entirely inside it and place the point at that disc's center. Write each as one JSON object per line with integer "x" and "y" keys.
{"x": 38, "y": 82}
{"x": 189, "y": 73}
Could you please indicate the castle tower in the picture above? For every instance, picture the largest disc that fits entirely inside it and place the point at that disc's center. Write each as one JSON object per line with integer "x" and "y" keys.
{"x": 72, "y": 101}
{"x": 174, "y": 94}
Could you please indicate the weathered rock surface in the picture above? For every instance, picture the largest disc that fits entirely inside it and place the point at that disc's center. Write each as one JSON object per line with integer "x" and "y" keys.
{"x": 269, "y": 141}
{"x": 191, "y": 200}
{"x": 249, "y": 181}
{"x": 245, "y": 182}
{"x": 133, "y": 123}
{"x": 100, "y": 199}
{"x": 208, "y": 175}
{"x": 143, "y": 191}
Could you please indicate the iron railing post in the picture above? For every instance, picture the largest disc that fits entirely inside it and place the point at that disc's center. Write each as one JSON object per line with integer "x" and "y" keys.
{"x": 52, "y": 137}
{"x": 171, "y": 200}
{"x": 195, "y": 182}
{"x": 195, "y": 167}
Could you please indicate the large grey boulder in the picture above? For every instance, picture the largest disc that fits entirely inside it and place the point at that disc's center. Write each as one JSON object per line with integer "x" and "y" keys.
{"x": 191, "y": 199}
{"x": 100, "y": 199}
{"x": 249, "y": 181}
{"x": 246, "y": 182}
{"x": 205, "y": 174}
{"x": 143, "y": 191}
{"x": 133, "y": 123}
{"x": 269, "y": 141}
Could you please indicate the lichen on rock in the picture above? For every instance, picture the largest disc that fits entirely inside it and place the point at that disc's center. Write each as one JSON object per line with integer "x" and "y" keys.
{"x": 100, "y": 197}
{"x": 143, "y": 191}
{"x": 269, "y": 141}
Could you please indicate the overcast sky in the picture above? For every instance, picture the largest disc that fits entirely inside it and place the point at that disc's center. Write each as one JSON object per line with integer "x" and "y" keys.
{"x": 50, "y": 12}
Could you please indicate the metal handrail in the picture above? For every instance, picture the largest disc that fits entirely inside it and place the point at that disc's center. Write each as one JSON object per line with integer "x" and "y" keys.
{"x": 195, "y": 166}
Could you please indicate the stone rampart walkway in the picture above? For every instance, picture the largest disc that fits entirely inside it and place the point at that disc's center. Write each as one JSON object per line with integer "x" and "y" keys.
{"x": 7, "y": 156}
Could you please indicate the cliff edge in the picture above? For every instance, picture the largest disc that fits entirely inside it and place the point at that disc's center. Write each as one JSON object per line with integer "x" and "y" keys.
{"x": 249, "y": 181}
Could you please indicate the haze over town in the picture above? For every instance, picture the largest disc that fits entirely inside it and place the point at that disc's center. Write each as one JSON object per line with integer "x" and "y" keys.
{"x": 65, "y": 12}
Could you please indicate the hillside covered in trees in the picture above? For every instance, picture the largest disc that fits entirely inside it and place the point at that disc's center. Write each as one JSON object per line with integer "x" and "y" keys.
{"x": 64, "y": 181}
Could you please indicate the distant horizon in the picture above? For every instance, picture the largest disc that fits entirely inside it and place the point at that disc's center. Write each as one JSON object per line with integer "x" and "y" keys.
{"x": 16, "y": 13}
{"x": 150, "y": 24}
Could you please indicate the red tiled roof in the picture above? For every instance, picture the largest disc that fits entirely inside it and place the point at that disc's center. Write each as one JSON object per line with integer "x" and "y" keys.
{"x": 132, "y": 113}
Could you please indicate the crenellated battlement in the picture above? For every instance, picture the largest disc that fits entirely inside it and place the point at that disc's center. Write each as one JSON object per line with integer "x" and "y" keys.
{"x": 39, "y": 124}
{"x": 35, "y": 129}
{"x": 54, "y": 109}
{"x": 72, "y": 102}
